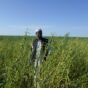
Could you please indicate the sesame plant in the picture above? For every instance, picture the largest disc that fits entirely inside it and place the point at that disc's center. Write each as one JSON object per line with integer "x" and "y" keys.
{"x": 66, "y": 65}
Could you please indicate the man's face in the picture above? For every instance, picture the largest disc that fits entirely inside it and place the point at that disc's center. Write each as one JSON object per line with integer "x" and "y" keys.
{"x": 39, "y": 34}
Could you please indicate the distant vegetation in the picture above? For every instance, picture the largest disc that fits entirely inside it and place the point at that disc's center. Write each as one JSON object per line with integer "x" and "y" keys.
{"x": 66, "y": 66}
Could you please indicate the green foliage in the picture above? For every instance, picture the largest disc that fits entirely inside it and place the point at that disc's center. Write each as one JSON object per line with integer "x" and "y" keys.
{"x": 65, "y": 67}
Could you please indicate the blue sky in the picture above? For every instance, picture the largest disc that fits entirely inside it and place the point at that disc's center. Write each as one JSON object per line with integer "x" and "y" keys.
{"x": 53, "y": 16}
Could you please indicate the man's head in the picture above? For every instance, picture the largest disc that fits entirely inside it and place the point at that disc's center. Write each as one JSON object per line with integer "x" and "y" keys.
{"x": 39, "y": 33}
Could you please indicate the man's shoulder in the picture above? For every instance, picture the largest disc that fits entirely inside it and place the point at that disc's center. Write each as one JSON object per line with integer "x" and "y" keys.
{"x": 45, "y": 40}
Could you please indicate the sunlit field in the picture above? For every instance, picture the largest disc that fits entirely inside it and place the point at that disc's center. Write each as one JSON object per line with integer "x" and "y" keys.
{"x": 66, "y": 66}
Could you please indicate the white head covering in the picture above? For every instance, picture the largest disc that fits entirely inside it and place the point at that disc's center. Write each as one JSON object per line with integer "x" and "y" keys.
{"x": 37, "y": 30}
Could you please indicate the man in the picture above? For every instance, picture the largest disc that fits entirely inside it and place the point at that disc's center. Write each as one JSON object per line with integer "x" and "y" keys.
{"x": 39, "y": 47}
{"x": 39, "y": 54}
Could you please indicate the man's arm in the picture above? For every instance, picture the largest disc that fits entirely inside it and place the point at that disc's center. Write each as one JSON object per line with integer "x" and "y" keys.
{"x": 46, "y": 49}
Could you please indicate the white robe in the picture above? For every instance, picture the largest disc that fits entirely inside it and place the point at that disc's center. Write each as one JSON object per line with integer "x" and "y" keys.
{"x": 37, "y": 65}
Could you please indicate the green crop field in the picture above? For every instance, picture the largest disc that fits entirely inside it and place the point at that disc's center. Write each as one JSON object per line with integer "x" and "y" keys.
{"x": 66, "y": 66}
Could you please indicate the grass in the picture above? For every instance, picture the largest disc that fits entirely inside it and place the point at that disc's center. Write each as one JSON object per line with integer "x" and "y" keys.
{"x": 66, "y": 66}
